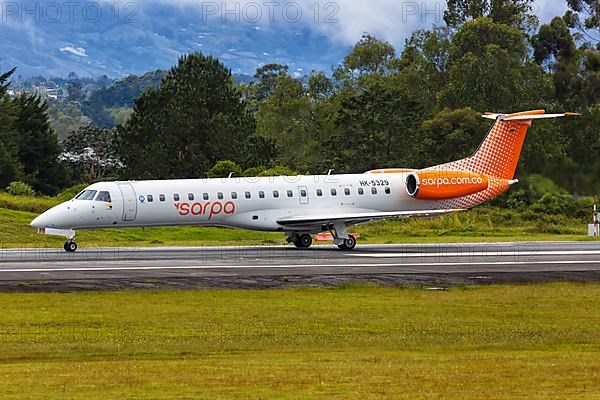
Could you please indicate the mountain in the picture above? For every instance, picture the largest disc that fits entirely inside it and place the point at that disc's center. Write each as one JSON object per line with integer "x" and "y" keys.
{"x": 91, "y": 39}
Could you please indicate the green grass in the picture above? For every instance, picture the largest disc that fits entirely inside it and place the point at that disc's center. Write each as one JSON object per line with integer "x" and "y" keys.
{"x": 485, "y": 224}
{"x": 534, "y": 342}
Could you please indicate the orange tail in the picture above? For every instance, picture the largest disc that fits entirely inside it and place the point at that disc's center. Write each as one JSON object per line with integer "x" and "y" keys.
{"x": 499, "y": 153}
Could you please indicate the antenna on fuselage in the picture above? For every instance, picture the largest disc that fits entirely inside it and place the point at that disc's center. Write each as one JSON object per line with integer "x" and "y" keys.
{"x": 230, "y": 175}
{"x": 330, "y": 171}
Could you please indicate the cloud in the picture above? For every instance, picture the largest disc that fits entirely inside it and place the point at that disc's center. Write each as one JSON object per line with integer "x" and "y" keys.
{"x": 342, "y": 21}
{"x": 78, "y": 51}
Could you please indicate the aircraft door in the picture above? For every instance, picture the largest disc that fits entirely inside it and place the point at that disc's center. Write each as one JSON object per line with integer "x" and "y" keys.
{"x": 129, "y": 202}
{"x": 303, "y": 192}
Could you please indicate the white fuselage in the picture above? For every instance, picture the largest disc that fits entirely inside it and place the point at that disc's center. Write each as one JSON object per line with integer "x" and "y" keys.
{"x": 247, "y": 203}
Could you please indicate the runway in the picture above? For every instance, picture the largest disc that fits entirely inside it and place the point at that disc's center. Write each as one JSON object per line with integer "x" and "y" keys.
{"x": 431, "y": 264}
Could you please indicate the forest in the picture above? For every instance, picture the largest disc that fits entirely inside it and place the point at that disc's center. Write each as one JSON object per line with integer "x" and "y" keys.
{"x": 379, "y": 107}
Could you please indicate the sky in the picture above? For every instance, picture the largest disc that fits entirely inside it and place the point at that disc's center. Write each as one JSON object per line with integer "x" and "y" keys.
{"x": 134, "y": 36}
{"x": 343, "y": 21}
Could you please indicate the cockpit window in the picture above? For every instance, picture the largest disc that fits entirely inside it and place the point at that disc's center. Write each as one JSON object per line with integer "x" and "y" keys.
{"x": 103, "y": 196}
{"x": 86, "y": 195}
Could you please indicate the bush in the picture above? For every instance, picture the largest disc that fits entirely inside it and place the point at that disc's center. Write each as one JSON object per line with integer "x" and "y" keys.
{"x": 254, "y": 171}
{"x": 222, "y": 169}
{"x": 279, "y": 171}
{"x": 563, "y": 204}
{"x": 27, "y": 203}
{"x": 20, "y": 189}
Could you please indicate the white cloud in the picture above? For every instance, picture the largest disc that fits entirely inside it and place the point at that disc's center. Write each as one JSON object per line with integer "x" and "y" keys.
{"x": 78, "y": 51}
{"x": 391, "y": 20}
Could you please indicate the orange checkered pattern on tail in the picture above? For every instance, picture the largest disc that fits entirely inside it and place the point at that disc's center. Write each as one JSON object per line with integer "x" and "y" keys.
{"x": 497, "y": 157}
{"x": 499, "y": 153}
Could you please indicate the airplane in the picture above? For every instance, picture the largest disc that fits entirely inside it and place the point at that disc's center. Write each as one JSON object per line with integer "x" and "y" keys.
{"x": 300, "y": 206}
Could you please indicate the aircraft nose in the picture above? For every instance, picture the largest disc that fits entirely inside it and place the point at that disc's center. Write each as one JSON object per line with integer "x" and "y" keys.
{"x": 37, "y": 222}
{"x": 56, "y": 217}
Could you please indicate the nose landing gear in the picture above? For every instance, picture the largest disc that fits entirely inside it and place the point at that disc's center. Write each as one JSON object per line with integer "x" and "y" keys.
{"x": 70, "y": 246}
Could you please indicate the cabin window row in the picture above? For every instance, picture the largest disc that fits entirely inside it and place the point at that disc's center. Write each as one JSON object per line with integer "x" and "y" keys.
{"x": 262, "y": 194}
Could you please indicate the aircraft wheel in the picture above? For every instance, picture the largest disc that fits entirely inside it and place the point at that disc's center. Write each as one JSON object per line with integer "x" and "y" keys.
{"x": 303, "y": 241}
{"x": 349, "y": 244}
{"x": 70, "y": 246}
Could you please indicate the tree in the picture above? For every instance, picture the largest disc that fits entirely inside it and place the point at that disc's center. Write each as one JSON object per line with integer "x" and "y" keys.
{"x": 10, "y": 168}
{"x": 554, "y": 44}
{"x": 38, "y": 146}
{"x": 425, "y": 57}
{"x": 75, "y": 90}
{"x": 66, "y": 118}
{"x": 488, "y": 70}
{"x": 286, "y": 118}
{"x": 584, "y": 15}
{"x": 575, "y": 71}
{"x": 91, "y": 152}
{"x": 267, "y": 76}
{"x": 195, "y": 118}
{"x": 319, "y": 86}
{"x": 555, "y": 50}
{"x": 222, "y": 169}
{"x": 377, "y": 126}
{"x": 516, "y": 13}
{"x": 119, "y": 95}
{"x": 370, "y": 56}
{"x": 454, "y": 134}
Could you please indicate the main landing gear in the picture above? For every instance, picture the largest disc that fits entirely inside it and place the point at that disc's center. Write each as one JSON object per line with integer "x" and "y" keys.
{"x": 348, "y": 244}
{"x": 70, "y": 246}
{"x": 303, "y": 241}
{"x": 341, "y": 238}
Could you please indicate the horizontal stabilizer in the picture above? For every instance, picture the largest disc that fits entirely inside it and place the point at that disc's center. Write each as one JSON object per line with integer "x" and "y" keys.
{"x": 527, "y": 116}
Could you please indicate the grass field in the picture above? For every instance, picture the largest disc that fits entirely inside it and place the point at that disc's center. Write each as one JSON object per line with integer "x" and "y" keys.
{"x": 484, "y": 224}
{"x": 534, "y": 342}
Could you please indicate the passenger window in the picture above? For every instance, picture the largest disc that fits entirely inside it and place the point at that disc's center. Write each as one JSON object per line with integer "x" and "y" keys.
{"x": 347, "y": 192}
{"x": 161, "y": 197}
{"x": 191, "y": 196}
{"x": 220, "y": 196}
{"x": 205, "y": 196}
{"x": 234, "y": 195}
{"x": 176, "y": 197}
{"x": 333, "y": 192}
{"x": 319, "y": 193}
{"x": 388, "y": 190}
{"x": 103, "y": 196}
{"x": 361, "y": 191}
{"x": 275, "y": 194}
{"x": 248, "y": 195}
{"x": 261, "y": 195}
{"x": 374, "y": 190}
{"x": 86, "y": 195}
{"x": 303, "y": 193}
{"x": 149, "y": 198}
{"x": 290, "y": 193}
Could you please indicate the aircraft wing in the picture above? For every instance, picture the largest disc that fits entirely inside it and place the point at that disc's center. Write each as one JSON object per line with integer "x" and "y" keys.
{"x": 359, "y": 218}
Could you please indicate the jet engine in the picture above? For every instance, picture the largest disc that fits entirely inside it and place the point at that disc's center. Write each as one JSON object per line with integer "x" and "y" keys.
{"x": 443, "y": 185}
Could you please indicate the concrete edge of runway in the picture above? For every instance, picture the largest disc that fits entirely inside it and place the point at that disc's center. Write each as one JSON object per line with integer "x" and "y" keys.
{"x": 264, "y": 282}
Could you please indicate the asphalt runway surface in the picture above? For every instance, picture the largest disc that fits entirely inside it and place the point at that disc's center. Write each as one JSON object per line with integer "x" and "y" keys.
{"x": 436, "y": 265}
